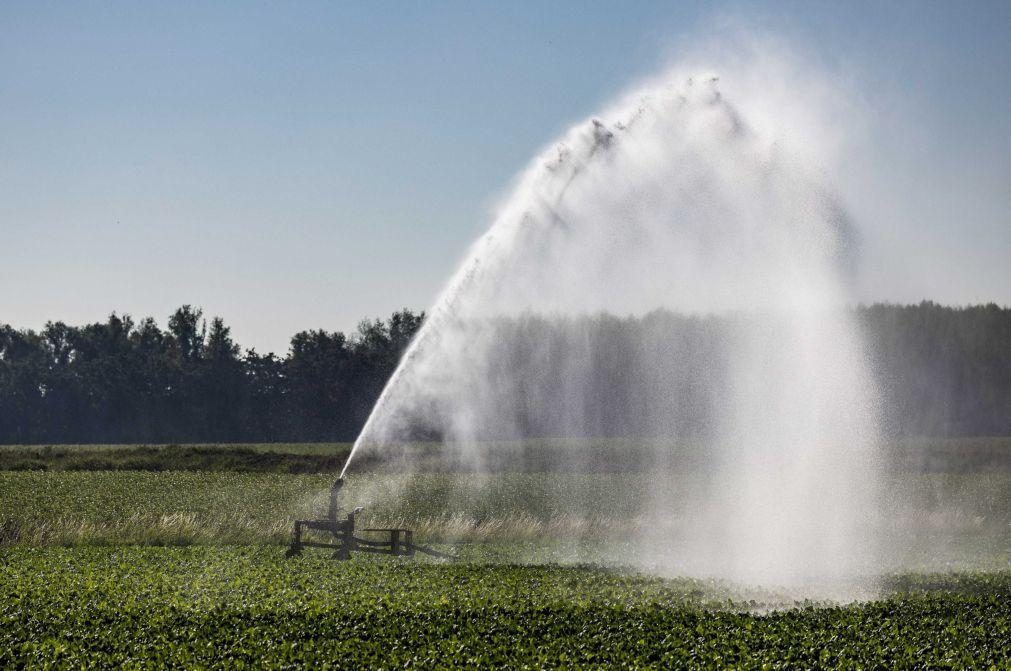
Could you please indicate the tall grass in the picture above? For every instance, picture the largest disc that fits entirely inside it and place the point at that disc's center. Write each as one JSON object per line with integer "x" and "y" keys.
{"x": 947, "y": 517}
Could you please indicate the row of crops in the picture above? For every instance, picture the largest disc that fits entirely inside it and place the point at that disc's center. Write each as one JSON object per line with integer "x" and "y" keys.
{"x": 248, "y": 608}
{"x": 185, "y": 569}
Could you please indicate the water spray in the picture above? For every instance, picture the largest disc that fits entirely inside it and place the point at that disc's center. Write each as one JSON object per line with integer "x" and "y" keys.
{"x": 694, "y": 197}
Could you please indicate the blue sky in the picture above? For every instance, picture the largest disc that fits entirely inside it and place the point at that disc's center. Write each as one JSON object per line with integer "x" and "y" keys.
{"x": 304, "y": 165}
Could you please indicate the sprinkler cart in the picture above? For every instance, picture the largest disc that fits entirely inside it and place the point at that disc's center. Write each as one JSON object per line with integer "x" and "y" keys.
{"x": 397, "y": 542}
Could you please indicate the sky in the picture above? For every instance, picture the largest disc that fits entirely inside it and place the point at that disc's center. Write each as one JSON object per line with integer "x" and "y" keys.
{"x": 289, "y": 166}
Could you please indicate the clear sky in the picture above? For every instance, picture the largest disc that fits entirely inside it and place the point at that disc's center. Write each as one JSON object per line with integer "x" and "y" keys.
{"x": 304, "y": 165}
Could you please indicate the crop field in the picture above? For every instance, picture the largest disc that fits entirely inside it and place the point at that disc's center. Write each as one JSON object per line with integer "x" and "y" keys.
{"x": 185, "y": 568}
{"x": 248, "y": 608}
{"x": 952, "y": 516}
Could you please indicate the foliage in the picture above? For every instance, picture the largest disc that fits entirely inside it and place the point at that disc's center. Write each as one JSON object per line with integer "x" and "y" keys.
{"x": 122, "y": 381}
{"x": 943, "y": 372}
{"x": 243, "y": 608}
{"x": 219, "y": 604}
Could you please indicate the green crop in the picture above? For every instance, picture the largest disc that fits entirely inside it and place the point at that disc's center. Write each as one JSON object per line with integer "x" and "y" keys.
{"x": 230, "y": 600}
{"x": 248, "y": 608}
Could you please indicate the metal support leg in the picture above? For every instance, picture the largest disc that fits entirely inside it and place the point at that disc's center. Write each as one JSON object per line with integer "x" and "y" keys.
{"x": 296, "y": 541}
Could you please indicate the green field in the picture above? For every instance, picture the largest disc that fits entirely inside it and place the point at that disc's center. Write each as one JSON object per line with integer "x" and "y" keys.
{"x": 154, "y": 567}
{"x": 248, "y": 608}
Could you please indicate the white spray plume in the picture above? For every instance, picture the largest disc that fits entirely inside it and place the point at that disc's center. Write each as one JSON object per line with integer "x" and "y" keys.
{"x": 706, "y": 191}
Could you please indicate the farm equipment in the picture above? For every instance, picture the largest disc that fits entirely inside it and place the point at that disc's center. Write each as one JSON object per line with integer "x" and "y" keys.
{"x": 397, "y": 542}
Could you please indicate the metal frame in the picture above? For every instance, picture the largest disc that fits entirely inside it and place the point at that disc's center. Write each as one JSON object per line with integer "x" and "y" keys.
{"x": 399, "y": 542}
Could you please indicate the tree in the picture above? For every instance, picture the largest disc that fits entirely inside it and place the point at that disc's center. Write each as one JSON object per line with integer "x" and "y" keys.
{"x": 941, "y": 371}
{"x": 317, "y": 373}
{"x": 221, "y": 385}
{"x": 188, "y": 333}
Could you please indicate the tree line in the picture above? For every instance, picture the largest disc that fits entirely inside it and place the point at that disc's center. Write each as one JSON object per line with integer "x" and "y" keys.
{"x": 122, "y": 381}
{"x": 942, "y": 371}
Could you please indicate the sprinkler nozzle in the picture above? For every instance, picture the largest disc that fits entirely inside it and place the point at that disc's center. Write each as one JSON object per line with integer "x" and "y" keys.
{"x": 334, "y": 491}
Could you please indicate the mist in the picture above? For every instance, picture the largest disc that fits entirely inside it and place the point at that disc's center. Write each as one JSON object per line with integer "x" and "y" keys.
{"x": 706, "y": 190}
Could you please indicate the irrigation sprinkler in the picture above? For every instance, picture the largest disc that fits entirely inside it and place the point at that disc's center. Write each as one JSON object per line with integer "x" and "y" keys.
{"x": 396, "y": 542}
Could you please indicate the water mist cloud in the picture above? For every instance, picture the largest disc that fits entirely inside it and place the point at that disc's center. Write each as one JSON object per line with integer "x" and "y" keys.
{"x": 705, "y": 191}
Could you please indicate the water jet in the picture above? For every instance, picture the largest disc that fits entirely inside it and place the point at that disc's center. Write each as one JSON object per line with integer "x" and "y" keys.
{"x": 685, "y": 197}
